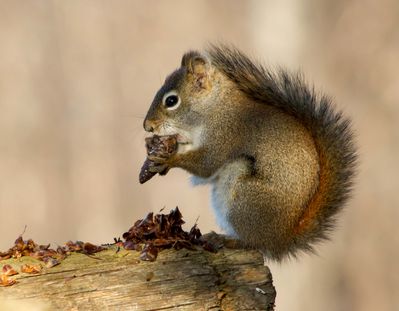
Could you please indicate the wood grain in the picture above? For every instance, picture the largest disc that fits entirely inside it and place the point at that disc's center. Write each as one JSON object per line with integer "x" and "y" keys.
{"x": 177, "y": 280}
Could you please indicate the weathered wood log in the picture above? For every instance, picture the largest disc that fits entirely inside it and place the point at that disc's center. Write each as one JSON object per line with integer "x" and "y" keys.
{"x": 231, "y": 279}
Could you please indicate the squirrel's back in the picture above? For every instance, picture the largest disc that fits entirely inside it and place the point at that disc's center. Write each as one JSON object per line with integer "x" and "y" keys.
{"x": 330, "y": 131}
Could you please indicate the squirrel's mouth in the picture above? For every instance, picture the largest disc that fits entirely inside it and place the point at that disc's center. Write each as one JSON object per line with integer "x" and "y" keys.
{"x": 183, "y": 143}
{"x": 180, "y": 139}
{"x": 184, "y": 139}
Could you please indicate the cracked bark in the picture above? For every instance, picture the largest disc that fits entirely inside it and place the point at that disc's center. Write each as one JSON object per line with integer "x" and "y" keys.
{"x": 177, "y": 280}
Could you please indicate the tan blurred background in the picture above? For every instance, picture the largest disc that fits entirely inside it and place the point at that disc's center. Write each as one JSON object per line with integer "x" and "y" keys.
{"x": 76, "y": 79}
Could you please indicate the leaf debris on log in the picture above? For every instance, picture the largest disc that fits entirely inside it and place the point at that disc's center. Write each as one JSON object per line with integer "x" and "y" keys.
{"x": 44, "y": 253}
{"x": 8, "y": 270}
{"x": 162, "y": 231}
{"x": 31, "y": 269}
{"x": 148, "y": 236}
{"x": 6, "y": 281}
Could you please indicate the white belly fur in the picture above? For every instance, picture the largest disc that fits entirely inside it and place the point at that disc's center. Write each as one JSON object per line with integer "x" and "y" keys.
{"x": 218, "y": 202}
{"x": 220, "y": 208}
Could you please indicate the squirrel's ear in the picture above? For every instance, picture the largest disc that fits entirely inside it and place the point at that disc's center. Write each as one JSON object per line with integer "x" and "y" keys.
{"x": 198, "y": 65}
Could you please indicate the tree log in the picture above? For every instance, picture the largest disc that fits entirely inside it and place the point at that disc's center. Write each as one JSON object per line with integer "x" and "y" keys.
{"x": 231, "y": 279}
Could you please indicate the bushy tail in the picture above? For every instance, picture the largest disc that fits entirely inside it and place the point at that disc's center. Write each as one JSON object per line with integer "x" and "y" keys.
{"x": 331, "y": 132}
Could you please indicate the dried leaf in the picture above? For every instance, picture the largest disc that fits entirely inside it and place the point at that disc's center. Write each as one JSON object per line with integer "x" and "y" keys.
{"x": 44, "y": 253}
{"x": 89, "y": 248}
{"x": 180, "y": 244}
{"x": 162, "y": 231}
{"x": 8, "y": 270}
{"x": 44, "y": 247}
{"x": 149, "y": 253}
{"x": 130, "y": 245}
{"x": 6, "y": 281}
{"x": 31, "y": 269}
{"x": 164, "y": 243}
{"x": 19, "y": 243}
{"x": 51, "y": 262}
{"x": 194, "y": 233}
{"x": 73, "y": 246}
{"x": 4, "y": 256}
{"x": 61, "y": 251}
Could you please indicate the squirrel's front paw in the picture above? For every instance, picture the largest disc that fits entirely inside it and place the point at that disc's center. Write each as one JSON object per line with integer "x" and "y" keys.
{"x": 160, "y": 168}
{"x": 158, "y": 159}
{"x": 160, "y": 150}
{"x": 159, "y": 163}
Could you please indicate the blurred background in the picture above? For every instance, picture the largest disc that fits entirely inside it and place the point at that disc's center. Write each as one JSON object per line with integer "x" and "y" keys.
{"x": 77, "y": 77}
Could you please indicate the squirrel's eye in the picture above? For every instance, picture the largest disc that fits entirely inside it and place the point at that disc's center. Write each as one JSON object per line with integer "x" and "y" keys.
{"x": 171, "y": 100}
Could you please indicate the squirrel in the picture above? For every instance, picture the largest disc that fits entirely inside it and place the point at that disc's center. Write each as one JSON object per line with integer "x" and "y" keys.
{"x": 278, "y": 156}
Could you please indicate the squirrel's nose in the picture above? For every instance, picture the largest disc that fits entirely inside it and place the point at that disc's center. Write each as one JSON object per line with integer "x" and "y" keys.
{"x": 148, "y": 126}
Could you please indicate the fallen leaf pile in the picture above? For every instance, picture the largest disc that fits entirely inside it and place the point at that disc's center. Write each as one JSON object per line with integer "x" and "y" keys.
{"x": 8, "y": 271}
{"x": 30, "y": 248}
{"x": 148, "y": 235}
{"x": 162, "y": 231}
{"x": 44, "y": 253}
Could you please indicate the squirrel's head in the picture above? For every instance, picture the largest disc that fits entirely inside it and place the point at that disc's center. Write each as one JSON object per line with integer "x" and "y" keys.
{"x": 180, "y": 106}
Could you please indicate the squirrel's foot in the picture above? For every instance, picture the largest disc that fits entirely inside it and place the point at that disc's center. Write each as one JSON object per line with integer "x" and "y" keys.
{"x": 160, "y": 159}
{"x": 222, "y": 240}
